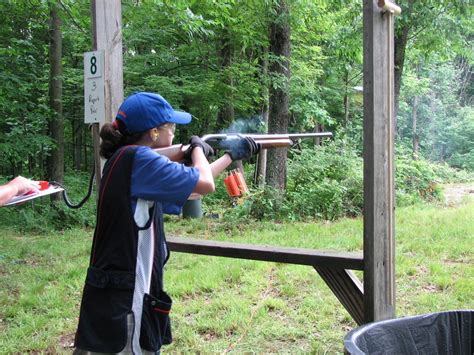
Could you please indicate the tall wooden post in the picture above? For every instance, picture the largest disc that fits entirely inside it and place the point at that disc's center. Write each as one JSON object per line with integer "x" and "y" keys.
{"x": 107, "y": 36}
{"x": 379, "y": 204}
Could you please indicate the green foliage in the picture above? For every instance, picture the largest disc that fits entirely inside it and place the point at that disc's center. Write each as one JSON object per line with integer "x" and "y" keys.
{"x": 326, "y": 61}
{"x": 326, "y": 182}
{"x": 23, "y": 88}
{"x": 419, "y": 180}
{"x": 460, "y": 140}
{"x": 445, "y": 129}
{"x": 24, "y": 73}
{"x": 179, "y": 54}
{"x": 441, "y": 27}
{"x": 416, "y": 181}
{"x": 205, "y": 56}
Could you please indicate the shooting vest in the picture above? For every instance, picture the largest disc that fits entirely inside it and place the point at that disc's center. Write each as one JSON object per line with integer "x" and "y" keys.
{"x": 125, "y": 275}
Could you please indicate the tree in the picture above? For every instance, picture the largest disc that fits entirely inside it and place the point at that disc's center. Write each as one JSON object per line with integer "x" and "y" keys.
{"x": 56, "y": 123}
{"x": 431, "y": 116}
{"x": 261, "y": 168}
{"x": 430, "y": 23}
{"x": 435, "y": 55}
{"x": 326, "y": 64}
{"x": 209, "y": 58}
{"x": 226, "y": 113}
{"x": 279, "y": 70}
{"x": 24, "y": 141}
{"x": 76, "y": 40}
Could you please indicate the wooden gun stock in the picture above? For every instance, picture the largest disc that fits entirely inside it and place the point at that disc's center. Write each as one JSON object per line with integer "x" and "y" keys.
{"x": 174, "y": 152}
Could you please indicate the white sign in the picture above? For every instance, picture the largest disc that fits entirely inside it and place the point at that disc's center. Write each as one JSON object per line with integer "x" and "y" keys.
{"x": 94, "y": 97}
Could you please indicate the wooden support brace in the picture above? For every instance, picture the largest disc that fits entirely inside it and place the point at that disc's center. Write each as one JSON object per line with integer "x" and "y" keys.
{"x": 347, "y": 288}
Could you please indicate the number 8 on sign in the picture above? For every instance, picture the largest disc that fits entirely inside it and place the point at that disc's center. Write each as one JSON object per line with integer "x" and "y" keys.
{"x": 93, "y": 64}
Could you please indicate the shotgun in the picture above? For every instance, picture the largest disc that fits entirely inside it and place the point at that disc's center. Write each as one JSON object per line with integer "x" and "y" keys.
{"x": 224, "y": 140}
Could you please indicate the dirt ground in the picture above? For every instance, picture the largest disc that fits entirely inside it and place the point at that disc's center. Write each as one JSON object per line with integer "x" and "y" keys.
{"x": 456, "y": 193}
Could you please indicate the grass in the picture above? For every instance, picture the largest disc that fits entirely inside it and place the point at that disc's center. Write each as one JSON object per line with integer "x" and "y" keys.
{"x": 230, "y": 305}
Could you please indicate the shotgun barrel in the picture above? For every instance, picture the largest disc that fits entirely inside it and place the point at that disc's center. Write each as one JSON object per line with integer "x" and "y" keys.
{"x": 266, "y": 140}
{"x": 223, "y": 140}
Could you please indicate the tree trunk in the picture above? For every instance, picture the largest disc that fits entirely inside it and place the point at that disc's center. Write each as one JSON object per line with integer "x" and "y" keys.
{"x": 415, "y": 138}
{"x": 56, "y": 124}
{"x": 400, "y": 44}
{"x": 261, "y": 168}
{"x": 400, "y": 47}
{"x": 280, "y": 47}
{"x": 346, "y": 101}
{"x": 78, "y": 137}
{"x": 226, "y": 113}
{"x": 261, "y": 173}
{"x": 318, "y": 129}
{"x": 467, "y": 80}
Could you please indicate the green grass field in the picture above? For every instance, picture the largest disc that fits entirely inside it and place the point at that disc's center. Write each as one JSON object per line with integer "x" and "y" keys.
{"x": 230, "y": 305}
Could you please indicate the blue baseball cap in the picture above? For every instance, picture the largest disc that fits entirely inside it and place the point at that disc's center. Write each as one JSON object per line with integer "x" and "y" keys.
{"x": 142, "y": 111}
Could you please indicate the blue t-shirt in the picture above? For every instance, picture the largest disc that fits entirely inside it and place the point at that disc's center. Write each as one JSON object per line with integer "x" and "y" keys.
{"x": 156, "y": 178}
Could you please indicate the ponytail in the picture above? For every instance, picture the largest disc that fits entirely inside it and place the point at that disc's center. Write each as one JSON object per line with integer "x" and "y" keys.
{"x": 113, "y": 139}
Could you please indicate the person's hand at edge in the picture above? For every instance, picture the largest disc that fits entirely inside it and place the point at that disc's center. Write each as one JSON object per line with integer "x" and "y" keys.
{"x": 17, "y": 187}
{"x": 24, "y": 185}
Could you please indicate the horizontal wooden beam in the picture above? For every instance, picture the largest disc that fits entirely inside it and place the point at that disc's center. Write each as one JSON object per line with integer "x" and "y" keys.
{"x": 299, "y": 256}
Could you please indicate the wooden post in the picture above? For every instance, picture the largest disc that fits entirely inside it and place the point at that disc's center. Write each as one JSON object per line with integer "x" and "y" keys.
{"x": 107, "y": 36}
{"x": 379, "y": 207}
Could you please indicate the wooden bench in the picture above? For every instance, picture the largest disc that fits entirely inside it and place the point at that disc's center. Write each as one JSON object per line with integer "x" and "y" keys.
{"x": 334, "y": 267}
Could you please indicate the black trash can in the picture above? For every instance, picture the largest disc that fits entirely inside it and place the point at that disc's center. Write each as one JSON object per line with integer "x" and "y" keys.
{"x": 450, "y": 332}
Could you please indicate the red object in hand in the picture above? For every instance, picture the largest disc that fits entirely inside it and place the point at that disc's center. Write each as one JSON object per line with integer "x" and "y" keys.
{"x": 43, "y": 185}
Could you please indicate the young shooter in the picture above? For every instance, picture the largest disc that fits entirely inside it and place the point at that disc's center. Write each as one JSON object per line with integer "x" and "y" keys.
{"x": 124, "y": 306}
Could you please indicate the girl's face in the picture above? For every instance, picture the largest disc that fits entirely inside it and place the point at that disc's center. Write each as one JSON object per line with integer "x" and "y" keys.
{"x": 164, "y": 135}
